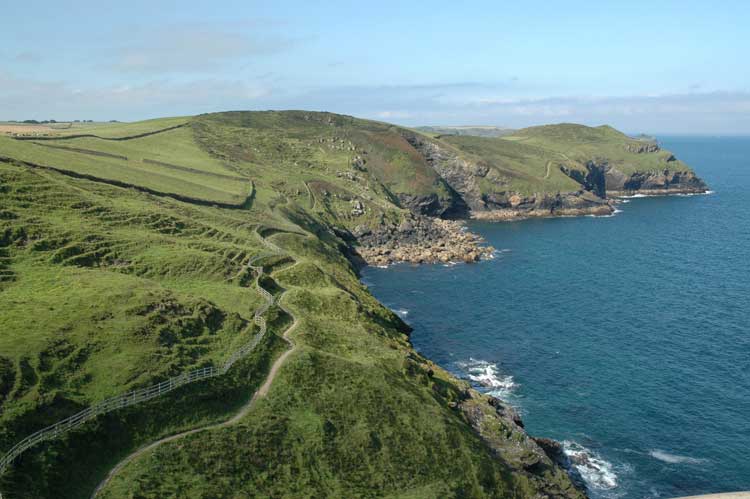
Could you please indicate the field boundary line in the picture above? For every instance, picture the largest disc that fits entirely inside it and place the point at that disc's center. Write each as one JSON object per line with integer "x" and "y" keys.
{"x": 92, "y": 136}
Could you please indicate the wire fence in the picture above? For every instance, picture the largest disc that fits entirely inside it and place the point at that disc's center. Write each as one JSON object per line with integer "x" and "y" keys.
{"x": 143, "y": 394}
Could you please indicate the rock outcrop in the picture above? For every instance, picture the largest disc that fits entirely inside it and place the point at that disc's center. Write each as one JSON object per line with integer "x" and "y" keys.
{"x": 479, "y": 190}
{"x": 642, "y": 147}
{"x": 512, "y": 206}
{"x": 460, "y": 174}
{"x": 434, "y": 206}
{"x": 502, "y": 430}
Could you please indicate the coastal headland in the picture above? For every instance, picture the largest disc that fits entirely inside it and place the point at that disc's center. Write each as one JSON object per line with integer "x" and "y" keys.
{"x": 125, "y": 259}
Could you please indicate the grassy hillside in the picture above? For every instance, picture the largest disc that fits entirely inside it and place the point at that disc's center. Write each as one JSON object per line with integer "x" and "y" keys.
{"x": 517, "y": 167}
{"x": 105, "y": 288}
{"x": 140, "y": 162}
{"x": 578, "y": 143}
{"x": 351, "y": 156}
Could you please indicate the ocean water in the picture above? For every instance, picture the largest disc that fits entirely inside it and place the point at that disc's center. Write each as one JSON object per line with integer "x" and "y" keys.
{"x": 625, "y": 337}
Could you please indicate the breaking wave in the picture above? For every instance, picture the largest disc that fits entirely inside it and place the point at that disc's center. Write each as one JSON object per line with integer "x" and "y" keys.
{"x": 485, "y": 375}
{"x": 402, "y": 312}
{"x": 606, "y": 216}
{"x": 707, "y": 193}
{"x": 597, "y": 472}
{"x": 674, "y": 458}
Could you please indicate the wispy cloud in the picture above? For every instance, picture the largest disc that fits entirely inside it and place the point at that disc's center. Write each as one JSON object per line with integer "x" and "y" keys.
{"x": 26, "y": 98}
{"x": 27, "y": 56}
{"x": 459, "y": 103}
{"x": 494, "y": 104}
{"x": 194, "y": 48}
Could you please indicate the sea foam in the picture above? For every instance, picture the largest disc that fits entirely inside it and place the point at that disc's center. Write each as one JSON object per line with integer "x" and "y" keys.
{"x": 597, "y": 472}
{"x": 486, "y": 375}
{"x": 674, "y": 458}
{"x": 606, "y": 216}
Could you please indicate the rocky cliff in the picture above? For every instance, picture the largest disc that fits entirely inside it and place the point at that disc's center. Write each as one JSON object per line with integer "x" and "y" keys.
{"x": 493, "y": 177}
{"x": 486, "y": 192}
{"x": 656, "y": 182}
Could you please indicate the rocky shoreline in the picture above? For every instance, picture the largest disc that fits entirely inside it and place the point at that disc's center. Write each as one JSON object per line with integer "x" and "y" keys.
{"x": 424, "y": 239}
{"x": 507, "y": 215}
{"x": 659, "y": 192}
{"x": 420, "y": 239}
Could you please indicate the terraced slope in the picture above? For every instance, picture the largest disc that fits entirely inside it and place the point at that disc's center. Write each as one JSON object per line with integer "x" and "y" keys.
{"x": 105, "y": 289}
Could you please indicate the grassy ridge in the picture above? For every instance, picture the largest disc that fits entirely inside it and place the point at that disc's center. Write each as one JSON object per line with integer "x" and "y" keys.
{"x": 580, "y": 144}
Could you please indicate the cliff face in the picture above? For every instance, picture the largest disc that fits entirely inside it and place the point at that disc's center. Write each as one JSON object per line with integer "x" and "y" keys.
{"x": 653, "y": 182}
{"x": 512, "y": 205}
{"x": 435, "y": 206}
{"x": 461, "y": 174}
{"x": 470, "y": 178}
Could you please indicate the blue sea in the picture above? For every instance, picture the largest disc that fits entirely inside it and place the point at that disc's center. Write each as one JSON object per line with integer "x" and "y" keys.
{"x": 625, "y": 337}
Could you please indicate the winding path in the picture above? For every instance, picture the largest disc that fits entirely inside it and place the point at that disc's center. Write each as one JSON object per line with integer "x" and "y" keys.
{"x": 312, "y": 196}
{"x": 244, "y": 410}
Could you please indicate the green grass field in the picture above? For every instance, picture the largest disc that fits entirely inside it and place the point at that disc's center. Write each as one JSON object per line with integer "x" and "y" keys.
{"x": 190, "y": 171}
{"x": 118, "y": 130}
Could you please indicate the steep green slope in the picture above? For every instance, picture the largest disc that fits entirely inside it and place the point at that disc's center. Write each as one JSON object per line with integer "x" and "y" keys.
{"x": 517, "y": 166}
{"x": 105, "y": 288}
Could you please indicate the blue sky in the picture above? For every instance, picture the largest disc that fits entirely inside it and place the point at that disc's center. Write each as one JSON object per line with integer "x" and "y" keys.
{"x": 655, "y": 67}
